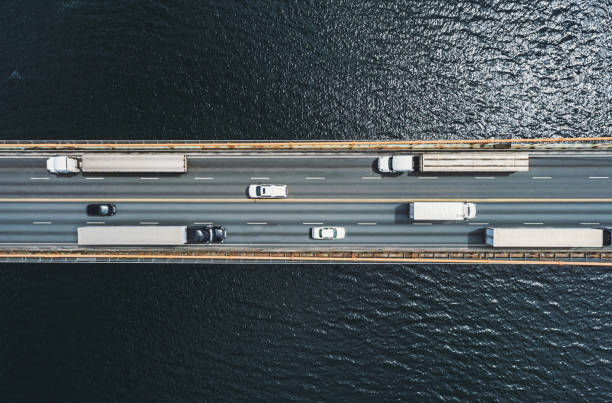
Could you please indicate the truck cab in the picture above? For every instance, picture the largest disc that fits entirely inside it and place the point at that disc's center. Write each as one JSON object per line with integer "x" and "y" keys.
{"x": 63, "y": 165}
{"x": 469, "y": 210}
{"x": 442, "y": 211}
{"x": 396, "y": 163}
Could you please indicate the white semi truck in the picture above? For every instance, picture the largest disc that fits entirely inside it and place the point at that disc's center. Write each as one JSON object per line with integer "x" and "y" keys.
{"x": 117, "y": 163}
{"x": 521, "y": 237}
{"x": 442, "y": 211}
{"x": 456, "y": 162}
{"x": 150, "y": 235}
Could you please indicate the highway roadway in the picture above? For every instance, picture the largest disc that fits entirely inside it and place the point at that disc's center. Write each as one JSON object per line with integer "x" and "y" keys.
{"x": 40, "y": 208}
{"x": 346, "y": 177}
{"x": 271, "y": 224}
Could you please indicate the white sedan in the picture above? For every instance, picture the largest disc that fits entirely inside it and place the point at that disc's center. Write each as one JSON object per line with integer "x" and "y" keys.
{"x": 327, "y": 233}
{"x": 267, "y": 191}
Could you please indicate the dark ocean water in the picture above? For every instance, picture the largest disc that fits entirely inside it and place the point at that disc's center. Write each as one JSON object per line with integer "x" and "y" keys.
{"x": 187, "y": 69}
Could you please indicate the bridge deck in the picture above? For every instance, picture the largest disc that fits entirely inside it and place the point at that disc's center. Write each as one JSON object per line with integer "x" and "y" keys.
{"x": 560, "y": 189}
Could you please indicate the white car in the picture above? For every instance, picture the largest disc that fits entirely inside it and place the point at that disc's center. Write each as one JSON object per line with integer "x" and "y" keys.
{"x": 267, "y": 191}
{"x": 327, "y": 233}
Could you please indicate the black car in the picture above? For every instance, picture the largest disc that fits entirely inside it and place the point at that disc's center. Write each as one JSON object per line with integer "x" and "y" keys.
{"x": 103, "y": 209}
{"x": 206, "y": 234}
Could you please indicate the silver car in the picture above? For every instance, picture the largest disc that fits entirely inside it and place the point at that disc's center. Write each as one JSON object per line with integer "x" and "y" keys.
{"x": 327, "y": 232}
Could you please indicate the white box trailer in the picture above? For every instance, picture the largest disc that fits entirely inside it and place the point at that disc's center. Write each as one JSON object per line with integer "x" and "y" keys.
{"x": 162, "y": 163}
{"x": 442, "y": 211}
{"x": 150, "y": 235}
{"x": 521, "y": 237}
{"x": 474, "y": 162}
{"x": 132, "y": 235}
{"x": 118, "y": 163}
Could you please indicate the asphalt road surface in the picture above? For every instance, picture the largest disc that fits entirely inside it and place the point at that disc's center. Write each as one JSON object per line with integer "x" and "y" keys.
{"x": 41, "y": 208}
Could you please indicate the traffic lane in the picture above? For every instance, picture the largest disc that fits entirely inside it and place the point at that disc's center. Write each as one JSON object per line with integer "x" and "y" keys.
{"x": 544, "y": 179}
{"x": 227, "y": 166}
{"x": 229, "y": 163}
{"x": 318, "y": 160}
{"x": 589, "y": 160}
{"x": 589, "y": 214}
{"x": 278, "y": 235}
{"x": 291, "y": 235}
{"x": 365, "y": 187}
{"x": 357, "y": 234}
{"x": 315, "y": 187}
{"x": 129, "y": 213}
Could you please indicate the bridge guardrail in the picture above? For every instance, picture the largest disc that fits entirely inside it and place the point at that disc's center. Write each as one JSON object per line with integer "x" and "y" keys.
{"x": 561, "y": 143}
{"x": 558, "y": 258}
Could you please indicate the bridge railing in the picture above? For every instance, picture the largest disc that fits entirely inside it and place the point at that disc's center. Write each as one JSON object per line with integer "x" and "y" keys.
{"x": 558, "y": 258}
{"x": 561, "y": 143}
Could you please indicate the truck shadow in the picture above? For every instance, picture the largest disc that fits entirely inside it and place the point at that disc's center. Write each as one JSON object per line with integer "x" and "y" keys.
{"x": 402, "y": 214}
{"x": 476, "y": 237}
{"x": 131, "y": 174}
{"x": 460, "y": 174}
{"x": 374, "y": 167}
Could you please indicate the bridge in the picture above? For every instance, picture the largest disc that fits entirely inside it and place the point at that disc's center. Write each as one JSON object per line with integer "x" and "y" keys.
{"x": 567, "y": 185}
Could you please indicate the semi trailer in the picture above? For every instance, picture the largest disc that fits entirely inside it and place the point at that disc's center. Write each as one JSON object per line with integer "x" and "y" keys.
{"x": 521, "y": 237}
{"x": 456, "y": 162}
{"x": 117, "y": 163}
{"x": 150, "y": 235}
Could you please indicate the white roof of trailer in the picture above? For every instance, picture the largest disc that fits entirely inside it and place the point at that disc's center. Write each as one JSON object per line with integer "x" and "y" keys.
{"x": 134, "y": 163}
{"x": 132, "y": 235}
{"x": 548, "y": 237}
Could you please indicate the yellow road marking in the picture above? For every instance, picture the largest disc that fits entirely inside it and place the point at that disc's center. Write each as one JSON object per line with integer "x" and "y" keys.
{"x": 213, "y": 200}
{"x": 303, "y": 258}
